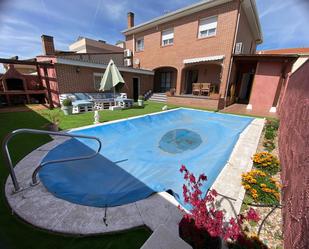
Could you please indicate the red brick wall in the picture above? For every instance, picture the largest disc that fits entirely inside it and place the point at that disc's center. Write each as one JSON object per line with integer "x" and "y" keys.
{"x": 294, "y": 157}
{"x": 33, "y": 82}
{"x": 186, "y": 44}
{"x": 83, "y": 81}
{"x": 194, "y": 102}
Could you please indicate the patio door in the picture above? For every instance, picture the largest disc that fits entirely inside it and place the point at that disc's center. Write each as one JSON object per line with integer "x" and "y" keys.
{"x": 245, "y": 88}
{"x": 191, "y": 77}
{"x": 165, "y": 81}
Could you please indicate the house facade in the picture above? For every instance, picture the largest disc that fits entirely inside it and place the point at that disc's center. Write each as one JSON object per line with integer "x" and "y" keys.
{"x": 194, "y": 45}
{"x": 78, "y": 70}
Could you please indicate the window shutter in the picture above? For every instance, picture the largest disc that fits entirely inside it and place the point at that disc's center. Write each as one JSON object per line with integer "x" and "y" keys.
{"x": 209, "y": 23}
{"x": 167, "y": 34}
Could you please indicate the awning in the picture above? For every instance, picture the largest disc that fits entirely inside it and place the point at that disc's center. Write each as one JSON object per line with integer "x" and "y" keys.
{"x": 204, "y": 59}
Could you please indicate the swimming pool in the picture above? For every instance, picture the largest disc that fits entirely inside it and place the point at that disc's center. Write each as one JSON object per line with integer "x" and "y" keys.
{"x": 141, "y": 156}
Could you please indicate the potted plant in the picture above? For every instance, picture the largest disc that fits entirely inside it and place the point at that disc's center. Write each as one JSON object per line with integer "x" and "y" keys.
{"x": 141, "y": 100}
{"x": 67, "y": 107}
{"x": 171, "y": 92}
{"x": 54, "y": 120}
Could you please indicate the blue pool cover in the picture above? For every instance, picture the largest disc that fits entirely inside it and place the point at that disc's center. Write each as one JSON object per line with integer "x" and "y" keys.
{"x": 142, "y": 156}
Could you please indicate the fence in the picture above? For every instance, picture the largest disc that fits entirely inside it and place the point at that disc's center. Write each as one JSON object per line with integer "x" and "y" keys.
{"x": 294, "y": 157}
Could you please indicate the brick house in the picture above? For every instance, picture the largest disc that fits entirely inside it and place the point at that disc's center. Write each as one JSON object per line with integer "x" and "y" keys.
{"x": 77, "y": 70}
{"x": 81, "y": 70}
{"x": 195, "y": 44}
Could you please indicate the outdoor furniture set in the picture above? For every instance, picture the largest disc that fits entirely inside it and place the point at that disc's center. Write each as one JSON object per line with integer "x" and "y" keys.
{"x": 85, "y": 102}
{"x": 202, "y": 89}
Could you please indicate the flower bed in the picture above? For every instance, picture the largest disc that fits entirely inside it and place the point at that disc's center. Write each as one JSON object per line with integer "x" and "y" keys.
{"x": 261, "y": 187}
{"x": 270, "y": 133}
{"x": 266, "y": 162}
{"x": 271, "y": 232}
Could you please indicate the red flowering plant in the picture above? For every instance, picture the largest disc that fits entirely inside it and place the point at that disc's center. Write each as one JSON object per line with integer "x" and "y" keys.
{"x": 205, "y": 225}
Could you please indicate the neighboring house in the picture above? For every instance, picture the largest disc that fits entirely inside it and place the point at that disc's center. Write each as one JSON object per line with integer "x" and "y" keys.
{"x": 70, "y": 71}
{"x": 194, "y": 44}
{"x": 86, "y": 45}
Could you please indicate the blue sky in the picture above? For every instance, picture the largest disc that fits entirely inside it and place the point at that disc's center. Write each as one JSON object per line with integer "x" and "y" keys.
{"x": 22, "y": 22}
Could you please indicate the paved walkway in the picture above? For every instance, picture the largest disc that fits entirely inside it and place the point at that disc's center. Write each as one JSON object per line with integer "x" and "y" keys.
{"x": 241, "y": 109}
{"x": 23, "y": 108}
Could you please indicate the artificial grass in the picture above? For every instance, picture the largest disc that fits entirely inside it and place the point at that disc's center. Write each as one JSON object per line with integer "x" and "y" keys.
{"x": 15, "y": 234}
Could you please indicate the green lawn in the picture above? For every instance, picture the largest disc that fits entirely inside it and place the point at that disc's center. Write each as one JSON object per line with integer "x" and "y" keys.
{"x": 15, "y": 234}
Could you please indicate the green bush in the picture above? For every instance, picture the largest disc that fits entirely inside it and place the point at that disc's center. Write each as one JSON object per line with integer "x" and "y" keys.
{"x": 272, "y": 125}
{"x": 141, "y": 97}
{"x": 269, "y": 145}
{"x": 270, "y": 134}
{"x": 67, "y": 102}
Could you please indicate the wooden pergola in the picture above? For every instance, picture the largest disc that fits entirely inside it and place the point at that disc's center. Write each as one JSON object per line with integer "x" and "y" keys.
{"x": 43, "y": 79}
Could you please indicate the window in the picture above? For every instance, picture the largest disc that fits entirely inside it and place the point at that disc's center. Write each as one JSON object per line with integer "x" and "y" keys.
{"x": 167, "y": 37}
{"x": 207, "y": 27}
{"x": 139, "y": 44}
{"x": 238, "y": 48}
{"x": 97, "y": 77}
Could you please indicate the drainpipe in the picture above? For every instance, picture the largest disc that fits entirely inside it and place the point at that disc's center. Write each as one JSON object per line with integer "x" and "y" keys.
{"x": 231, "y": 60}
{"x": 133, "y": 39}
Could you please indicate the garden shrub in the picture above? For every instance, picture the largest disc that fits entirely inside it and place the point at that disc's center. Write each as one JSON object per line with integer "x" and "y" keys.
{"x": 270, "y": 134}
{"x": 272, "y": 125}
{"x": 269, "y": 145}
{"x": 205, "y": 225}
{"x": 245, "y": 242}
{"x": 266, "y": 162}
{"x": 261, "y": 187}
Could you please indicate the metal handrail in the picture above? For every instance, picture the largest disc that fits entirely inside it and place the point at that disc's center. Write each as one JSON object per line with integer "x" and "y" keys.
{"x": 8, "y": 160}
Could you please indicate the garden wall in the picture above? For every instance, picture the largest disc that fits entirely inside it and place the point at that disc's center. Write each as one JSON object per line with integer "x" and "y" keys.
{"x": 294, "y": 157}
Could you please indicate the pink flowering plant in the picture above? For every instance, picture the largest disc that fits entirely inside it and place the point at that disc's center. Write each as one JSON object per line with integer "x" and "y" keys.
{"x": 205, "y": 225}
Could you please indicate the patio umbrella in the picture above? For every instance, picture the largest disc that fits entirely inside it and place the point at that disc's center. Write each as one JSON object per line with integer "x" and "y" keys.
{"x": 111, "y": 78}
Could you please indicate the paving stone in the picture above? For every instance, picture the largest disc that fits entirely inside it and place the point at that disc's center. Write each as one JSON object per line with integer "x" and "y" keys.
{"x": 162, "y": 238}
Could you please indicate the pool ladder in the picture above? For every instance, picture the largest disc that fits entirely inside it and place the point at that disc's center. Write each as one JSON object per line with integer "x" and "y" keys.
{"x": 8, "y": 160}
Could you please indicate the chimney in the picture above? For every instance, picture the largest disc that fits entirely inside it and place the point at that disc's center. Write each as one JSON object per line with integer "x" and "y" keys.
{"x": 130, "y": 20}
{"x": 48, "y": 45}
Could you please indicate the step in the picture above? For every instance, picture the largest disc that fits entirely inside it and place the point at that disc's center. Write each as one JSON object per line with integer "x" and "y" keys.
{"x": 158, "y": 99}
{"x": 163, "y": 238}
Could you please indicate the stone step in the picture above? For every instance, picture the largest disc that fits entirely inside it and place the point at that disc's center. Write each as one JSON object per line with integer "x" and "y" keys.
{"x": 160, "y": 97}
{"x": 158, "y": 100}
{"x": 162, "y": 238}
